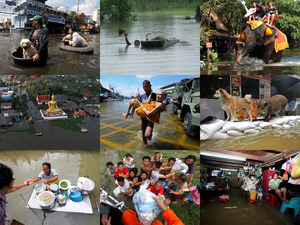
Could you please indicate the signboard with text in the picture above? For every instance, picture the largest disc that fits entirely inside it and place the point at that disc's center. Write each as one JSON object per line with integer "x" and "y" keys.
{"x": 55, "y": 19}
{"x": 208, "y": 44}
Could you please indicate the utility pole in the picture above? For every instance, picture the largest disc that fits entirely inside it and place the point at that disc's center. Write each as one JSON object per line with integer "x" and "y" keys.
{"x": 77, "y": 7}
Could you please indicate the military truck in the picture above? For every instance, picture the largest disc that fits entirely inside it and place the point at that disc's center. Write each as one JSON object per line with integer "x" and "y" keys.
{"x": 186, "y": 104}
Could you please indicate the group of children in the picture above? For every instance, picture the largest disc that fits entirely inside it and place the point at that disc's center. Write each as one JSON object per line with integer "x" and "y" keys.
{"x": 260, "y": 12}
{"x": 161, "y": 178}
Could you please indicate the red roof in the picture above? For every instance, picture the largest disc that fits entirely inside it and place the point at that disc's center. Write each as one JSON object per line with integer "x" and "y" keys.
{"x": 43, "y": 98}
{"x": 23, "y": 84}
{"x": 86, "y": 95}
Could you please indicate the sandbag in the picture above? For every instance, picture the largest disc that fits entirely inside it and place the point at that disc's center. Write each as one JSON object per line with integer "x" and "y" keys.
{"x": 235, "y": 133}
{"x": 145, "y": 206}
{"x": 228, "y": 125}
{"x": 265, "y": 125}
{"x": 251, "y": 131}
{"x": 276, "y": 125}
{"x": 242, "y": 126}
{"x": 219, "y": 135}
{"x": 278, "y": 121}
{"x": 286, "y": 126}
{"x": 207, "y": 130}
{"x": 258, "y": 128}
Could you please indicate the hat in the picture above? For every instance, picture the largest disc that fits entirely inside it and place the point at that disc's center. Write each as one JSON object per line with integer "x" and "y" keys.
{"x": 37, "y": 18}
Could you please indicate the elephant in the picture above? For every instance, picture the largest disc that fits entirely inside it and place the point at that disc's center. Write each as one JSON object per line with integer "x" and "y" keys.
{"x": 259, "y": 43}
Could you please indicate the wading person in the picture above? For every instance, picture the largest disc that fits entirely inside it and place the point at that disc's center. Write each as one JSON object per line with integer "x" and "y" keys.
{"x": 149, "y": 112}
{"x": 39, "y": 37}
{"x": 49, "y": 175}
{"x": 74, "y": 39}
{"x": 7, "y": 186}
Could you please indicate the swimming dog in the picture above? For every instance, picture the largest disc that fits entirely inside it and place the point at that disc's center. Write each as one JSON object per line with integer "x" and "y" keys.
{"x": 232, "y": 104}
{"x": 28, "y": 49}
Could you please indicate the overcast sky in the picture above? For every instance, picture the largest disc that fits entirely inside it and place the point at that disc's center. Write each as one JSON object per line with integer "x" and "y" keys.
{"x": 85, "y": 6}
{"x": 127, "y": 85}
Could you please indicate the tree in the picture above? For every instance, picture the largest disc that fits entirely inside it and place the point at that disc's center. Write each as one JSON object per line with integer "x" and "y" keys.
{"x": 117, "y": 10}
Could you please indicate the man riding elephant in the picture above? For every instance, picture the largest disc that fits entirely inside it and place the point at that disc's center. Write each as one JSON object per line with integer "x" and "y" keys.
{"x": 263, "y": 42}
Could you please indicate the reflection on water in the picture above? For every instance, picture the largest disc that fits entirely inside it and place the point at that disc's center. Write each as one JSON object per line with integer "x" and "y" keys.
{"x": 68, "y": 164}
{"x": 276, "y": 139}
{"x": 181, "y": 58}
{"x": 125, "y": 134}
{"x": 289, "y": 65}
{"x": 59, "y": 62}
{"x": 53, "y": 137}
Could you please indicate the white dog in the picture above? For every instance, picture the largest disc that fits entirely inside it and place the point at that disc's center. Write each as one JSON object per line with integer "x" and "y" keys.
{"x": 28, "y": 49}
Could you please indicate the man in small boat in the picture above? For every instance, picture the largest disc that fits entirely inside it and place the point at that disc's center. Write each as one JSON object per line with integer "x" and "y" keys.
{"x": 49, "y": 175}
{"x": 74, "y": 39}
{"x": 39, "y": 37}
{"x": 7, "y": 186}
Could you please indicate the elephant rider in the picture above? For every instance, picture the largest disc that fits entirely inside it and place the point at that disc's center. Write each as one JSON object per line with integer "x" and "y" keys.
{"x": 260, "y": 12}
{"x": 39, "y": 37}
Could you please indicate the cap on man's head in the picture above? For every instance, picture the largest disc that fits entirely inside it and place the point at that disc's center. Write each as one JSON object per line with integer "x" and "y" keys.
{"x": 37, "y": 18}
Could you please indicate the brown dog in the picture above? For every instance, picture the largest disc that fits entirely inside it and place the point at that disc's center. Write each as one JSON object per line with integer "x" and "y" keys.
{"x": 232, "y": 104}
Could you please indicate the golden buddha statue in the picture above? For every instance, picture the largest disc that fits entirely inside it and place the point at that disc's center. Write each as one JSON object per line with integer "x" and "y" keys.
{"x": 53, "y": 106}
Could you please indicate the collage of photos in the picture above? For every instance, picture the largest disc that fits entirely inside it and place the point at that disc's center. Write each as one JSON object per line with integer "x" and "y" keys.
{"x": 250, "y": 112}
{"x": 100, "y": 112}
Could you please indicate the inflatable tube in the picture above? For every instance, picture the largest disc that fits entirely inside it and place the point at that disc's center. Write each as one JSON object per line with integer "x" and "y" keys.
{"x": 85, "y": 50}
{"x": 18, "y": 59}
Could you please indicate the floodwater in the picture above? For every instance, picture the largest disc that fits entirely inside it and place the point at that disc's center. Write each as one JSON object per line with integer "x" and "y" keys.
{"x": 181, "y": 58}
{"x": 118, "y": 133}
{"x": 238, "y": 211}
{"x": 276, "y": 139}
{"x": 59, "y": 61}
{"x": 69, "y": 165}
{"x": 53, "y": 137}
{"x": 289, "y": 65}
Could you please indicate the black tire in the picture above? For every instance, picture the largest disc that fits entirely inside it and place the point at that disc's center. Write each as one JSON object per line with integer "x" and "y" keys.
{"x": 189, "y": 129}
{"x": 174, "y": 108}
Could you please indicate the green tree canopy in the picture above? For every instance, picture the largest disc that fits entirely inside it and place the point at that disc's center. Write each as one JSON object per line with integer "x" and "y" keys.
{"x": 117, "y": 10}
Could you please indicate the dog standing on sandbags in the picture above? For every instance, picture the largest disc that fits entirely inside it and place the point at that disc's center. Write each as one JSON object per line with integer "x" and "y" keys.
{"x": 28, "y": 50}
{"x": 232, "y": 104}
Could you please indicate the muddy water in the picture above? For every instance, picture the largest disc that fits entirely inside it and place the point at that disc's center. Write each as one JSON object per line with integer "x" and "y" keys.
{"x": 238, "y": 211}
{"x": 53, "y": 137}
{"x": 181, "y": 58}
{"x": 276, "y": 139}
{"x": 59, "y": 62}
{"x": 289, "y": 65}
{"x": 68, "y": 164}
{"x": 125, "y": 134}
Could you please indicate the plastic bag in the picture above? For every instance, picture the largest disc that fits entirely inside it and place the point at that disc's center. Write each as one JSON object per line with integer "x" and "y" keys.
{"x": 207, "y": 130}
{"x": 117, "y": 191}
{"x": 180, "y": 167}
{"x": 145, "y": 206}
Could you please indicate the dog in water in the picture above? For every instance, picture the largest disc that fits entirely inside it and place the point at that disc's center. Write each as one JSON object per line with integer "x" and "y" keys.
{"x": 232, "y": 104}
{"x": 28, "y": 49}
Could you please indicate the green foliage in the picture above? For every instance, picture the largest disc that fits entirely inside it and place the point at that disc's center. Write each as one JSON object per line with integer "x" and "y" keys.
{"x": 117, "y": 10}
{"x": 212, "y": 55}
{"x": 70, "y": 124}
{"x": 151, "y": 5}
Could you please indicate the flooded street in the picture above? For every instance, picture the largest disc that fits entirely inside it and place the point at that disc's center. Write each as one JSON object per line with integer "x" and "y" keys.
{"x": 59, "y": 61}
{"x": 276, "y": 139}
{"x": 53, "y": 137}
{"x": 68, "y": 164}
{"x": 181, "y": 58}
{"x": 289, "y": 65}
{"x": 119, "y": 133}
